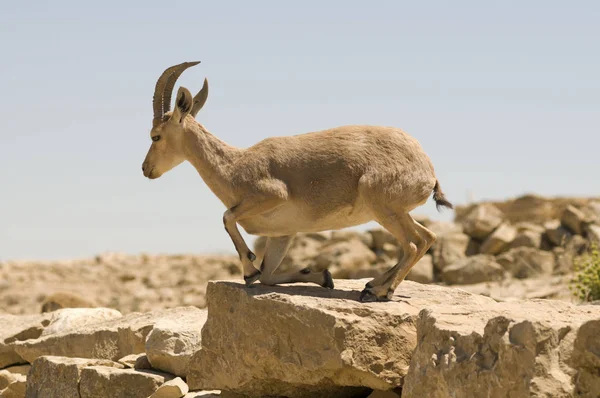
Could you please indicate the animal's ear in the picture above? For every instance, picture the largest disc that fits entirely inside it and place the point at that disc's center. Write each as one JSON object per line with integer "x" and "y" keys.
{"x": 200, "y": 98}
{"x": 183, "y": 104}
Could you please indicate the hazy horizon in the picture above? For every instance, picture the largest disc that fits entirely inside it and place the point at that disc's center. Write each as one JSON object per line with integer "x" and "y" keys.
{"x": 504, "y": 98}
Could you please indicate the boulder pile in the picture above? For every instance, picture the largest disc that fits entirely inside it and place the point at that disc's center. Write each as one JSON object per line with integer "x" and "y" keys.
{"x": 306, "y": 341}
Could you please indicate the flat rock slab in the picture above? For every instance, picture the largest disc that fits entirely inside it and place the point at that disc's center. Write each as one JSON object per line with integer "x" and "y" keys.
{"x": 102, "y": 382}
{"x": 537, "y": 348}
{"x": 58, "y": 377}
{"x": 19, "y": 328}
{"x": 302, "y": 340}
{"x": 113, "y": 339}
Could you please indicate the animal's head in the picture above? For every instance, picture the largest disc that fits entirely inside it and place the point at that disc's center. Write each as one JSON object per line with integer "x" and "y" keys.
{"x": 166, "y": 150}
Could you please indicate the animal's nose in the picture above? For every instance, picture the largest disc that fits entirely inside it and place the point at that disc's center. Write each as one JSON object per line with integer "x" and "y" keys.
{"x": 144, "y": 166}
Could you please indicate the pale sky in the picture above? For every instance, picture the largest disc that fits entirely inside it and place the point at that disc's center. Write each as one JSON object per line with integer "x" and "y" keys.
{"x": 503, "y": 96}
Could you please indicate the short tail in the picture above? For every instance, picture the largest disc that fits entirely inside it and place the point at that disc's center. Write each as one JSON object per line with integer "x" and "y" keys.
{"x": 440, "y": 199}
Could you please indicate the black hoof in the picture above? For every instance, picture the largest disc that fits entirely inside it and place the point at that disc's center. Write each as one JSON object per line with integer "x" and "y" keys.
{"x": 328, "y": 279}
{"x": 252, "y": 278}
{"x": 367, "y": 297}
{"x": 251, "y": 256}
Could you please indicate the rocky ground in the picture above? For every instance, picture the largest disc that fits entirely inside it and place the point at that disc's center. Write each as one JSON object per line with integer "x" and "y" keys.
{"x": 491, "y": 315}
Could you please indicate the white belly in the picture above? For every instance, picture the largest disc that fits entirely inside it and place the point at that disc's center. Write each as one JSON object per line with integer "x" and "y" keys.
{"x": 291, "y": 218}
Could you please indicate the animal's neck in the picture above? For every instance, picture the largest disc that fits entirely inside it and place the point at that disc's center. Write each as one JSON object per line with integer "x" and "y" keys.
{"x": 214, "y": 160}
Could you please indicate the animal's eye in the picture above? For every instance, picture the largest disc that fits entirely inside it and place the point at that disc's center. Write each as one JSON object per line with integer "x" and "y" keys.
{"x": 156, "y": 138}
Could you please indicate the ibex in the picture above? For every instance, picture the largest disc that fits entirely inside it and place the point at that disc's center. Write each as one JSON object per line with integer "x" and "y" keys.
{"x": 318, "y": 181}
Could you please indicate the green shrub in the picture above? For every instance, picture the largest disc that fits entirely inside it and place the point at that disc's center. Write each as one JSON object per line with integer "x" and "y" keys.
{"x": 586, "y": 282}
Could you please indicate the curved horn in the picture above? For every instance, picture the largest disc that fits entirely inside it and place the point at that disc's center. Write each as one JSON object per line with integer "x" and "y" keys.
{"x": 200, "y": 99}
{"x": 161, "y": 101}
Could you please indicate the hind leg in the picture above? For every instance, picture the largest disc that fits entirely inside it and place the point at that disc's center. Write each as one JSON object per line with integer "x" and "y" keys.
{"x": 400, "y": 224}
{"x": 275, "y": 250}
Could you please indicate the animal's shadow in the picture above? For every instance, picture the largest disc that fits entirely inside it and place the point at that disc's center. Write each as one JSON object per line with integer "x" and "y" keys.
{"x": 306, "y": 290}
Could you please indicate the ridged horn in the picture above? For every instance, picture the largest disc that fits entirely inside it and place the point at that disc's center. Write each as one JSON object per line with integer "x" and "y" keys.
{"x": 200, "y": 99}
{"x": 161, "y": 101}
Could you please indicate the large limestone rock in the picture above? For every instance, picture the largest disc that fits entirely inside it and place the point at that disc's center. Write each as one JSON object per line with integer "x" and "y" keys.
{"x": 482, "y": 220}
{"x": 112, "y": 339}
{"x": 173, "y": 341}
{"x": 58, "y": 377}
{"x": 449, "y": 248}
{"x": 525, "y": 262}
{"x": 474, "y": 269}
{"x": 310, "y": 341}
{"x": 21, "y": 328}
{"x": 499, "y": 239}
{"x": 522, "y": 349}
{"x": 102, "y": 382}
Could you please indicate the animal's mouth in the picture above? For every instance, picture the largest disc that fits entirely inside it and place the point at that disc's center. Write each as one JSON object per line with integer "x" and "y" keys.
{"x": 150, "y": 174}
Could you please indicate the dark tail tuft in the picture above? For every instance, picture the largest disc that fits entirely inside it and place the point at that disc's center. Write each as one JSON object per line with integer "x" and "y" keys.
{"x": 440, "y": 199}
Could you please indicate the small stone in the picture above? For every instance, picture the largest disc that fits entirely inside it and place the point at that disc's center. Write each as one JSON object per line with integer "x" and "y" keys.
{"x": 175, "y": 388}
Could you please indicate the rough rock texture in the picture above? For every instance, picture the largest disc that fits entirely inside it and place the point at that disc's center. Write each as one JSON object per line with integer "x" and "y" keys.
{"x": 499, "y": 239}
{"x": 474, "y": 269}
{"x": 311, "y": 340}
{"x": 15, "y": 388}
{"x": 518, "y": 349}
{"x": 173, "y": 341}
{"x": 58, "y": 377}
{"x": 106, "y": 340}
{"x": 175, "y": 388}
{"x": 482, "y": 220}
{"x": 16, "y": 328}
{"x": 102, "y": 382}
{"x": 525, "y": 262}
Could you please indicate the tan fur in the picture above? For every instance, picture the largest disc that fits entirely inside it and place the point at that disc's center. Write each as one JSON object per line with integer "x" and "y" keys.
{"x": 318, "y": 181}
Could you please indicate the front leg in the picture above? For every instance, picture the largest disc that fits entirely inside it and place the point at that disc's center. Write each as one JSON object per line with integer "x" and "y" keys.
{"x": 247, "y": 208}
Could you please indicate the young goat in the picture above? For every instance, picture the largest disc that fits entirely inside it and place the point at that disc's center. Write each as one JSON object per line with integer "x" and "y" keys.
{"x": 311, "y": 182}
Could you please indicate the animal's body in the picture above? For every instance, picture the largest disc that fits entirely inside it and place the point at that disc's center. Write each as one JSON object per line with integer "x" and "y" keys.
{"x": 327, "y": 178}
{"x": 310, "y": 182}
